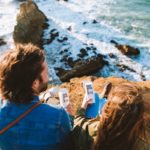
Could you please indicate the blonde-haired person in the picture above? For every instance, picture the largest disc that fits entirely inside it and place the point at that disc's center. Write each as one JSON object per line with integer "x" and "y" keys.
{"x": 120, "y": 127}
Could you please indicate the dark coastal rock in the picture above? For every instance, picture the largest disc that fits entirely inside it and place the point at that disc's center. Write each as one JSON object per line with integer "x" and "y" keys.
{"x": 63, "y": 51}
{"x": 70, "y": 61}
{"x": 88, "y": 48}
{"x": 2, "y": 42}
{"x": 124, "y": 67}
{"x": 94, "y": 21}
{"x": 143, "y": 77}
{"x": 81, "y": 67}
{"x": 111, "y": 55}
{"x": 94, "y": 48}
{"x": 53, "y": 34}
{"x": 62, "y": 39}
{"x": 84, "y": 22}
{"x": 83, "y": 53}
{"x": 69, "y": 28}
{"x": 30, "y": 24}
{"x": 126, "y": 49}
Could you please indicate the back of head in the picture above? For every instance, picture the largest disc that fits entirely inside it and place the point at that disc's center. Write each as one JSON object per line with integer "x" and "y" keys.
{"x": 122, "y": 119}
{"x": 18, "y": 69}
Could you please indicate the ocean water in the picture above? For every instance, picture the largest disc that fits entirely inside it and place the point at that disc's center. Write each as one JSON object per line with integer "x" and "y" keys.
{"x": 127, "y": 22}
{"x": 8, "y": 12}
{"x": 129, "y": 17}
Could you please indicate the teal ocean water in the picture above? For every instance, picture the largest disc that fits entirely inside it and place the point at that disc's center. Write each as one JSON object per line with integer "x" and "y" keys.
{"x": 130, "y": 17}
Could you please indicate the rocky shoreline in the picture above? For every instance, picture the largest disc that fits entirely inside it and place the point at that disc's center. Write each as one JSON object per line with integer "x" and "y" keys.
{"x": 30, "y": 27}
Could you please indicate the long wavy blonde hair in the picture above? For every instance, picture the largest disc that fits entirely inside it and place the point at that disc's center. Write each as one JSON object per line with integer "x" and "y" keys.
{"x": 122, "y": 119}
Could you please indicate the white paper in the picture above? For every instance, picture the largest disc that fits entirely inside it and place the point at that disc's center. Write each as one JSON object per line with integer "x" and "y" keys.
{"x": 89, "y": 91}
{"x": 64, "y": 97}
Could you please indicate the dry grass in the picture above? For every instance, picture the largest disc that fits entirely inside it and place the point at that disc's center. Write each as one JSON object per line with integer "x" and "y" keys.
{"x": 76, "y": 90}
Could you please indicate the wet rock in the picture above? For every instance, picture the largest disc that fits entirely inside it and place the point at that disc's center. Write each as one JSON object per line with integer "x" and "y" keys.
{"x": 111, "y": 55}
{"x": 53, "y": 31}
{"x": 94, "y": 48}
{"x": 94, "y": 21}
{"x": 82, "y": 50}
{"x": 126, "y": 49}
{"x": 82, "y": 67}
{"x": 69, "y": 28}
{"x": 143, "y": 77}
{"x": 84, "y": 22}
{"x": 88, "y": 48}
{"x": 70, "y": 61}
{"x": 53, "y": 34}
{"x": 62, "y": 39}
{"x": 66, "y": 50}
{"x": 124, "y": 67}
{"x": 83, "y": 53}
{"x": 2, "y": 42}
{"x": 114, "y": 42}
{"x": 30, "y": 24}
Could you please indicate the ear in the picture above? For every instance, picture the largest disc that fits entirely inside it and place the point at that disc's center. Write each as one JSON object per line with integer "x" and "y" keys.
{"x": 35, "y": 85}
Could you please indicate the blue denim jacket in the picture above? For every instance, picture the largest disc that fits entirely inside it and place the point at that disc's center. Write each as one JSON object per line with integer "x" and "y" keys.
{"x": 42, "y": 129}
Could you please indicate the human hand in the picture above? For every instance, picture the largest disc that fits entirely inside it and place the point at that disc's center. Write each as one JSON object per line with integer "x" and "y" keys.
{"x": 69, "y": 109}
{"x": 106, "y": 90}
{"x": 53, "y": 91}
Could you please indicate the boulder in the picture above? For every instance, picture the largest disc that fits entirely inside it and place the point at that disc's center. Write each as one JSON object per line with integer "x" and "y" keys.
{"x": 111, "y": 55}
{"x": 30, "y": 24}
{"x": 94, "y": 21}
{"x": 2, "y": 42}
{"x": 126, "y": 49}
{"x": 83, "y": 53}
{"x": 81, "y": 67}
{"x": 53, "y": 34}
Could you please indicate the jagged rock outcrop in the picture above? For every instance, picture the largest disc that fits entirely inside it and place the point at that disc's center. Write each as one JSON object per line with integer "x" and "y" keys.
{"x": 81, "y": 67}
{"x": 30, "y": 24}
{"x": 126, "y": 49}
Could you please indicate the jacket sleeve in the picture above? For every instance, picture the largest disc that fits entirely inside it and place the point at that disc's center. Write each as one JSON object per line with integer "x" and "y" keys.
{"x": 65, "y": 122}
{"x": 65, "y": 131}
{"x": 84, "y": 131}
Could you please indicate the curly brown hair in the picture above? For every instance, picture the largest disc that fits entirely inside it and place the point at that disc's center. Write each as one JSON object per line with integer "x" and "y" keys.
{"x": 18, "y": 69}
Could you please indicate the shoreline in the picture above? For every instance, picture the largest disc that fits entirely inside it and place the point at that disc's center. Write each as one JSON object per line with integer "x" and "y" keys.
{"x": 76, "y": 33}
